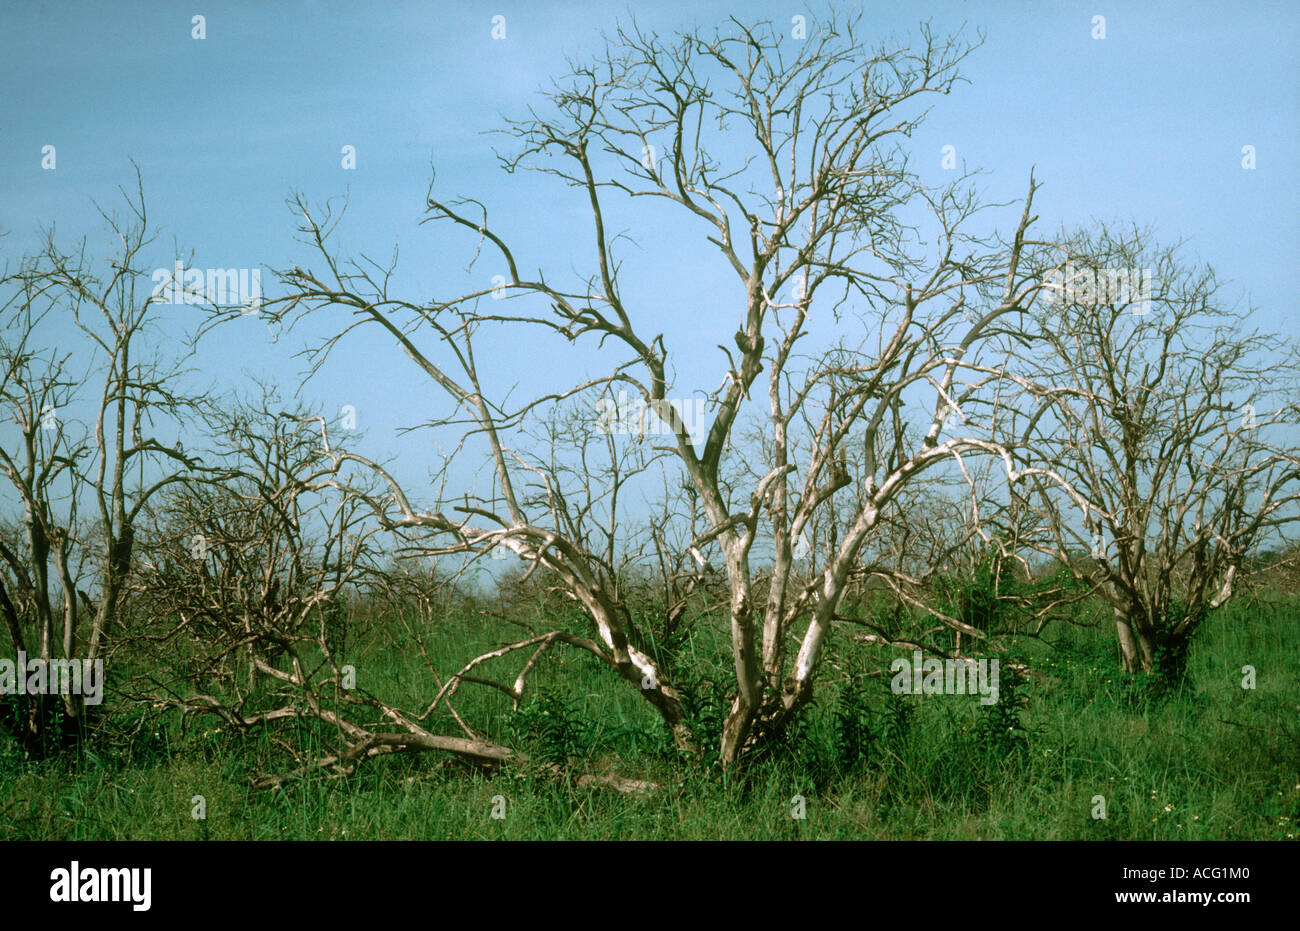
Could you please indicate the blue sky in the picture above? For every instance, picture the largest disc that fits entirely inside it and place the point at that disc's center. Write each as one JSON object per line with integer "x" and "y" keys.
{"x": 1147, "y": 124}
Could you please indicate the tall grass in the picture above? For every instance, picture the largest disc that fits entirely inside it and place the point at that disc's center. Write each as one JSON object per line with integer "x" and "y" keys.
{"x": 1205, "y": 759}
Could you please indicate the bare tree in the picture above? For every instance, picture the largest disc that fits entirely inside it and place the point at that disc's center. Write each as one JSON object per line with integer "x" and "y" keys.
{"x": 244, "y": 573}
{"x": 95, "y": 427}
{"x": 243, "y": 602}
{"x": 849, "y": 334}
{"x": 40, "y": 466}
{"x": 1166, "y": 421}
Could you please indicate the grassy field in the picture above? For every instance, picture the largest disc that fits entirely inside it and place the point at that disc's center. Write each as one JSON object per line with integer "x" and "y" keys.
{"x": 1208, "y": 760}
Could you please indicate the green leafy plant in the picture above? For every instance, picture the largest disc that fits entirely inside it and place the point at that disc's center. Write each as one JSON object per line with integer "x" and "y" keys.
{"x": 552, "y": 731}
{"x": 896, "y": 725}
{"x": 853, "y": 736}
{"x": 999, "y": 733}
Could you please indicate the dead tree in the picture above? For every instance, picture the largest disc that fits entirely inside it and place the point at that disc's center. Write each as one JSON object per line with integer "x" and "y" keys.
{"x": 1169, "y": 419}
{"x": 784, "y": 159}
{"x": 93, "y": 441}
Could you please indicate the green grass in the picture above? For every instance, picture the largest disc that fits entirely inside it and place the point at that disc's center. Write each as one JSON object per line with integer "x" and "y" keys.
{"x": 869, "y": 764}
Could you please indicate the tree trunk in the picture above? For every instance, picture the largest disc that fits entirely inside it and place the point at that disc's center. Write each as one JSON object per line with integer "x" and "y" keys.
{"x": 735, "y": 730}
{"x": 1137, "y": 647}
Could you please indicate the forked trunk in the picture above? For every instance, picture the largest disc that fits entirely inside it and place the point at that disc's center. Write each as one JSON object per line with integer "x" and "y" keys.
{"x": 735, "y": 731}
{"x": 1136, "y": 646}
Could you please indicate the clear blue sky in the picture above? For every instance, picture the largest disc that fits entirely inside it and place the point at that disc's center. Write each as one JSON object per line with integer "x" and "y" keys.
{"x": 1147, "y": 124}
